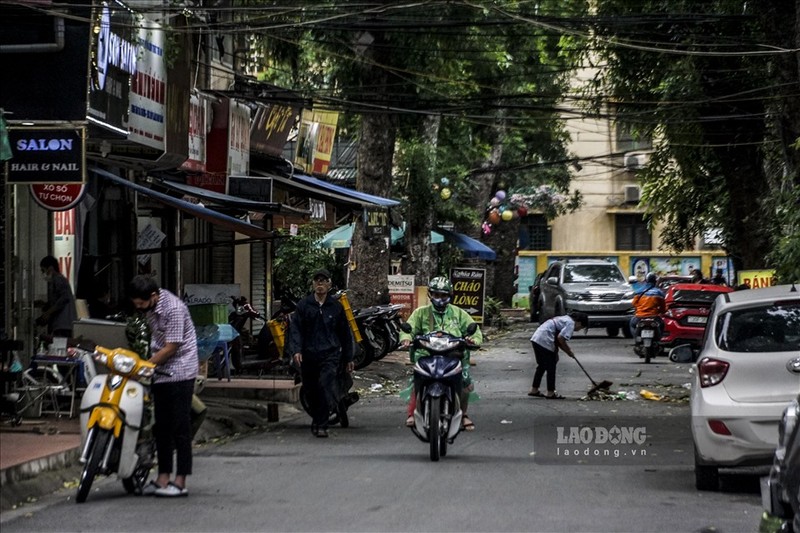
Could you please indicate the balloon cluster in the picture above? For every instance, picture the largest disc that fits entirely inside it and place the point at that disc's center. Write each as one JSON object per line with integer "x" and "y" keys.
{"x": 501, "y": 209}
{"x": 445, "y": 192}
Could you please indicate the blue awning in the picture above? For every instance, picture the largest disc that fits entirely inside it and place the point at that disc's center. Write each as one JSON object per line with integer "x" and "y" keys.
{"x": 341, "y": 237}
{"x": 379, "y": 200}
{"x": 470, "y": 246}
{"x": 228, "y": 222}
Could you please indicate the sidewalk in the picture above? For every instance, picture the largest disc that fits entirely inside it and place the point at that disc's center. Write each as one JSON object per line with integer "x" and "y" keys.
{"x": 52, "y": 444}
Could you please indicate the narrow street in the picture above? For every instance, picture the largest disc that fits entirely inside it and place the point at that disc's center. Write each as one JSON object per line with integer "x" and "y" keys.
{"x": 505, "y": 476}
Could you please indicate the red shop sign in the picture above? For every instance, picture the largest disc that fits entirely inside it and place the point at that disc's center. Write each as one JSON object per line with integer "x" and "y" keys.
{"x": 58, "y": 196}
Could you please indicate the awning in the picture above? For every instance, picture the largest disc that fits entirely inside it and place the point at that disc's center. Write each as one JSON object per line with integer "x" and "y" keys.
{"x": 316, "y": 193}
{"x": 341, "y": 237}
{"x": 209, "y": 215}
{"x": 470, "y": 246}
{"x": 314, "y": 182}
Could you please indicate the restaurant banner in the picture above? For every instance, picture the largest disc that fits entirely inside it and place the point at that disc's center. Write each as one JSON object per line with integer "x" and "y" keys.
{"x": 469, "y": 290}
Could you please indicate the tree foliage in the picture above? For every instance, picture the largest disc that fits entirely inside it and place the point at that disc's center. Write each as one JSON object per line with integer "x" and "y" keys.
{"x": 296, "y": 259}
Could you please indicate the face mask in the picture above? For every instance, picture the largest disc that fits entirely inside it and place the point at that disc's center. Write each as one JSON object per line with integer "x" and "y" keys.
{"x": 440, "y": 303}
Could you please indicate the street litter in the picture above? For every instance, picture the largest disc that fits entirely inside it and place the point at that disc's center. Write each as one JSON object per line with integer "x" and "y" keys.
{"x": 375, "y": 387}
{"x": 647, "y": 395}
{"x": 506, "y": 422}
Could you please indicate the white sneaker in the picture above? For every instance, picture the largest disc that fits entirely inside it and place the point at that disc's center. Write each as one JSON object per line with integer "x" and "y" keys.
{"x": 171, "y": 491}
{"x": 150, "y": 488}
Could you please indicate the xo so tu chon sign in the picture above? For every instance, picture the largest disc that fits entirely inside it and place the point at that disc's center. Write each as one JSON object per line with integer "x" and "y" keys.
{"x": 469, "y": 290}
{"x": 58, "y": 196}
{"x": 46, "y": 155}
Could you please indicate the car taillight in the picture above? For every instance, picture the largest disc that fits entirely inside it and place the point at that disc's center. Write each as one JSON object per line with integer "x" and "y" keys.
{"x": 711, "y": 371}
{"x": 719, "y": 427}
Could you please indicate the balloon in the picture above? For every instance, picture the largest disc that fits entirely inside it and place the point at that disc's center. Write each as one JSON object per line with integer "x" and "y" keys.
{"x": 500, "y": 195}
{"x": 445, "y": 182}
{"x": 445, "y": 193}
{"x": 522, "y": 211}
{"x": 494, "y": 201}
{"x": 487, "y": 229}
{"x": 507, "y": 215}
{"x": 494, "y": 216}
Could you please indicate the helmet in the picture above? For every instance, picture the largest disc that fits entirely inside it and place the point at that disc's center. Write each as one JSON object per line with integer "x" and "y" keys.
{"x": 651, "y": 278}
{"x": 440, "y": 291}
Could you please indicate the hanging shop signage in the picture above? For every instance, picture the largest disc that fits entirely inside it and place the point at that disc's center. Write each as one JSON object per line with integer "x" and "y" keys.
{"x": 47, "y": 155}
{"x": 58, "y": 196}
{"x": 315, "y": 141}
{"x": 469, "y": 290}
{"x": 376, "y": 223}
{"x": 198, "y": 118}
{"x": 270, "y": 128}
{"x": 227, "y": 144}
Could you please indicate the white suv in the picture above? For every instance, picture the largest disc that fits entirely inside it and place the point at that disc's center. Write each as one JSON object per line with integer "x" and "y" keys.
{"x": 746, "y": 372}
{"x": 592, "y": 286}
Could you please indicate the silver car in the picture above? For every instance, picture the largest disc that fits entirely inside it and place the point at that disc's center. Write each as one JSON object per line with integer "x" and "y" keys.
{"x": 746, "y": 373}
{"x": 593, "y": 286}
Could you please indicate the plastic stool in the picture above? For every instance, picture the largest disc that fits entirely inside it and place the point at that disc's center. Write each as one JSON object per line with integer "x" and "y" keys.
{"x": 222, "y": 360}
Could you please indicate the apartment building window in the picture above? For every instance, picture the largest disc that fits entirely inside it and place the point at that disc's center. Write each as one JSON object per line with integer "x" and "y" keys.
{"x": 535, "y": 234}
{"x": 633, "y": 233}
{"x": 628, "y": 140}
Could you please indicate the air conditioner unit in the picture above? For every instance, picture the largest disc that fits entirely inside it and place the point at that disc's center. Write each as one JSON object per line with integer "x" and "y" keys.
{"x": 632, "y": 194}
{"x": 635, "y": 160}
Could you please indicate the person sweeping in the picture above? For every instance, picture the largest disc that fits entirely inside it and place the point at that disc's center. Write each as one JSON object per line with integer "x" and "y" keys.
{"x": 551, "y": 335}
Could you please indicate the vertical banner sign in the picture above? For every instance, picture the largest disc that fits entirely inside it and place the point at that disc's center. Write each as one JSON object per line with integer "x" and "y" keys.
{"x": 315, "y": 140}
{"x": 198, "y": 116}
{"x": 148, "y": 92}
{"x": 64, "y": 241}
{"x": 239, "y": 139}
{"x": 401, "y": 291}
{"x": 469, "y": 290}
{"x": 114, "y": 56}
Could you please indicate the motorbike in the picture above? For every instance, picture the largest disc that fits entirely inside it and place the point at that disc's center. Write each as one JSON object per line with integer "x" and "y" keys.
{"x": 646, "y": 338}
{"x": 116, "y": 419}
{"x": 438, "y": 385}
{"x": 387, "y": 326}
{"x": 265, "y": 352}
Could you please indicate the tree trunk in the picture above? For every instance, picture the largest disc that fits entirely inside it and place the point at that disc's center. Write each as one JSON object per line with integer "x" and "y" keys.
{"x": 420, "y": 214}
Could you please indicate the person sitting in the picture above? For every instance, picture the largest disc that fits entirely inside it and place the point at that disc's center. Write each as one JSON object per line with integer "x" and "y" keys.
{"x": 649, "y": 302}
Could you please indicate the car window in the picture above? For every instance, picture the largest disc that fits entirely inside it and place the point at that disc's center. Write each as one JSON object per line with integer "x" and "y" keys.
{"x": 694, "y": 296}
{"x": 764, "y": 328}
{"x": 590, "y": 273}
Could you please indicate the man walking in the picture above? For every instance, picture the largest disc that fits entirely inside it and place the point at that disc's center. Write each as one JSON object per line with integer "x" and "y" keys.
{"x": 320, "y": 340}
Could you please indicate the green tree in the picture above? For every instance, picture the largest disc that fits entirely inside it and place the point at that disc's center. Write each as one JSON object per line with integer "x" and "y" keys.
{"x": 296, "y": 259}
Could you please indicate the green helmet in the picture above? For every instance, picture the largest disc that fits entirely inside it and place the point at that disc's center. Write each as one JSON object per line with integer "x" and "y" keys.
{"x": 440, "y": 291}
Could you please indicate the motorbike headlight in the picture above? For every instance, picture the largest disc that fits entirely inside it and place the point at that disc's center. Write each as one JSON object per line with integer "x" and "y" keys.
{"x": 439, "y": 344}
{"x": 123, "y": 363}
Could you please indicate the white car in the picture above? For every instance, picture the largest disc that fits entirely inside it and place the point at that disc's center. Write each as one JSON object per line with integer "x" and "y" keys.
{"x": 746, "y": 372}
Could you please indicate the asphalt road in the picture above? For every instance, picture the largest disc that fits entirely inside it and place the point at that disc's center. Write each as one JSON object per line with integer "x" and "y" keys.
{"x": 516, "y": 472}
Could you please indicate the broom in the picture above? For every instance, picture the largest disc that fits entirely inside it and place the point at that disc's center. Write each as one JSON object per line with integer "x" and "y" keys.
{"x": 603, "y": 385}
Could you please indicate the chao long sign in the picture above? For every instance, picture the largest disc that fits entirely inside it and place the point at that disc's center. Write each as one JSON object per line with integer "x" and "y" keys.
{"x": 469, "y": 290}
{"x": 47, "y": 155}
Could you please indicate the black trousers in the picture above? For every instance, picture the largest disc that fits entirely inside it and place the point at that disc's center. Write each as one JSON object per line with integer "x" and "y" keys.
{"x": 172, "y": 406}
{"x": 319, "y": 373}
{"x": 546, "y": 361}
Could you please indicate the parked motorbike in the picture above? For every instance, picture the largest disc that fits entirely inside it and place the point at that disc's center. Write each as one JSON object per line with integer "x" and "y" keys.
{"x": 646, "y": 338}
{"x": 387, "y": 326}
{"x": 438, "y": 385}
{"x": 116, "y": 421}
{"x": 261, "y": 354}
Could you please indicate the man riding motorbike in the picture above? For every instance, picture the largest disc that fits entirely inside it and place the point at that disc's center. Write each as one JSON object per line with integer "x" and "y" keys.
{"x": 649, "y": 302}
{"x": 441, "y": 315}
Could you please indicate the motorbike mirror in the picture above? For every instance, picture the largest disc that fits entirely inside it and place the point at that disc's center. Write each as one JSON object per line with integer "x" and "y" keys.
{"x": 406, "y": 327}
{"x": 472, "y": 328}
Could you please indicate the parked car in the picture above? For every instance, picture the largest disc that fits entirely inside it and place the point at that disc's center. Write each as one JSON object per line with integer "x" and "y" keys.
{"x": 533, "y": 298}
{"x": 595, "y": 287}
{"x": 747, "y": 371}
{"x": 780, "y": 491}
{"x": 688, "y": 306}
{"x": 665, "y": 282}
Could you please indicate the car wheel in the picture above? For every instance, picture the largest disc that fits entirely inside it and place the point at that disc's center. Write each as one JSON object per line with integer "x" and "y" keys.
{"x": 560, "y": 308}
{"x": 706, "y": 477}
{"x": 612, "y": 331}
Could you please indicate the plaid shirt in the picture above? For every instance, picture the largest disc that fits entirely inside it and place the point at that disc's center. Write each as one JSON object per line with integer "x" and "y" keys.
{"x": 170, "y": 322}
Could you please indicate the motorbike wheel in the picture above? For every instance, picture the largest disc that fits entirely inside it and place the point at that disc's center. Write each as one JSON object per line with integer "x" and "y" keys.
{"x": 435, "y": 428}
{"x": 363, "y": 356}
{"x": 382, "y": 345}
{"x": 135, "y": 483}
{"x": 92, "y": 467}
